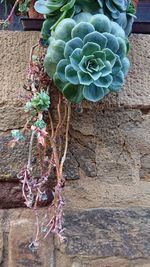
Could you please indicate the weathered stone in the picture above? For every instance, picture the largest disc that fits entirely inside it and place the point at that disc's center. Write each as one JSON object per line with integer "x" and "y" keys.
{"x": 65, "y": 261}
{"x": 71, "y": 167}
{"x": 15, "y": 51}
{"x": 84, "y": 157}
{"x": 114, "y": 262}
{"x": 108, "y": 144}
{"x": 110, "y": 150}
{"x": 1, "y": 246}
{"x": 12, "y": 115}
{"x": 136, "y": 90}
{"x": 62, "y": 259}
{"x": 76, "y": 264}
{"x": 11, "y": 195}
{"x": 117, "y": 161}
{"x": 21, "y": 233}
{"x": 145, "y": 168}
{"x": 12, "y": 160}
{"x": 124, "y": 233}
{"x": 86, "y": 193}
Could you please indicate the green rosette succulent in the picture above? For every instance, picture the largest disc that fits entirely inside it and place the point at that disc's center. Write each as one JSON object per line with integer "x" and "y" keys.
{"x": 86, "y": 57}
{"x": 121, "y": 11}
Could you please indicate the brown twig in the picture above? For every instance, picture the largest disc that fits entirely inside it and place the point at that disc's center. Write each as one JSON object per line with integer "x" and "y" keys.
{"x": 66, "y": 141}
{"x": 31, "y": 53}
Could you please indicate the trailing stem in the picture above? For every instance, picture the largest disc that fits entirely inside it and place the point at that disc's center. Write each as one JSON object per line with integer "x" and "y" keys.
{"x": 51, "y": 152}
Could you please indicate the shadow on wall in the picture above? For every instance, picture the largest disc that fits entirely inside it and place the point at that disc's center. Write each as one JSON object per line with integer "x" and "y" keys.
{"x": 15, "y": 25}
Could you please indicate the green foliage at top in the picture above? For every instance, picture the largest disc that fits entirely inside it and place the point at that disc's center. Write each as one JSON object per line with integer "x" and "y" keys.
{"x": 86, "y": 57}
{"x": 56, "y": 11}
{"x": 121, "y": 11}
{"x": 22, "y": 7}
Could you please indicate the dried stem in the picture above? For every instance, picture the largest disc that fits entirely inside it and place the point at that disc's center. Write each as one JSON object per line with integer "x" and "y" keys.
{"x": 59, "y": 116}
{"x": 31, "y": 53}
{"x": 30, "y": 151}
{"x": 33, "y": 188}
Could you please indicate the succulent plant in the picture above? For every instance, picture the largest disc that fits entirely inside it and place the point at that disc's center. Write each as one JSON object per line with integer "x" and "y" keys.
{"x": 17, "y": 135}
{"x": 55, "y": 10}
{"x": 86, "y": 57}
{"x": 39, "y": 102}
{"x": 40, "y": 124}
{"x": 122, "y": 12}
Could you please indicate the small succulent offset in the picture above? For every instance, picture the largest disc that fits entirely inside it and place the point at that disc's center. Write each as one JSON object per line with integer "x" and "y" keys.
{"x": 122, "y": 12}
{"x": 39, "y": 102}
{"x": 40, "y": 124}
{"x": 87, "y": 59}
{"x": 17, "y": 135}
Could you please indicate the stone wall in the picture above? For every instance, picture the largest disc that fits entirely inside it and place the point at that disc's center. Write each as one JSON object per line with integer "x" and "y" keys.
{"x": 107, "y": 213}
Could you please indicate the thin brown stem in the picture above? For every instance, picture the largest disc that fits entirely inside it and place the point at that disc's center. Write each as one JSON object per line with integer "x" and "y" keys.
{"x": 59, "y": 115}
{"x": 30, "y": 151}
{"x": 52, "y": 125}
{"x": 66, "y": 141}
{"x": 31, "y": 53}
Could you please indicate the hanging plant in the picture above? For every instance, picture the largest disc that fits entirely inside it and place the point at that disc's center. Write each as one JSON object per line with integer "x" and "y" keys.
{"x": 83, "y": 52}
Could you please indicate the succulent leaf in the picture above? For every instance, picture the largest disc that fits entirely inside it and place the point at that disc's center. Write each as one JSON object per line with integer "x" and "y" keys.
{"x": 121, "y": 11}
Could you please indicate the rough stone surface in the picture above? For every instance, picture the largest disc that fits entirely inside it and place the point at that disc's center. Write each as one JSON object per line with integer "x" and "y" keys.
{"x": 15, "y": 51}
{"x": 20, "y": 255}
{"x": 102, "y": 233}
{"x": 145, "y": 168}
{"x": 11, "y": 195}
{"x": 107, "y": 194}
{"x": 136, "y": 91}
{"x": 1, "y": 246}
{"x": 17, "y": 229}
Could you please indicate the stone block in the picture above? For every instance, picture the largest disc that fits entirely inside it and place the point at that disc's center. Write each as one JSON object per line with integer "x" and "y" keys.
{"x": 21, "y": 233}
{"x": 12, "y": 160}
{"x": 15, "y": 52}
{"x": 12, "y": 115}
{"x": 136, "y": 89}
{"x": 11, "y": 195}
{"x": 101, "y": 233}
{"x": 145, "y": 168}
{"x": 1, "y": 246}
{"x": 112, "y": 145}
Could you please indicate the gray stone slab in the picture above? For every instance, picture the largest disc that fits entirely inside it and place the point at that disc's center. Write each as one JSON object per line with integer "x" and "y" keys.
{"x": 123, "y": 233}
